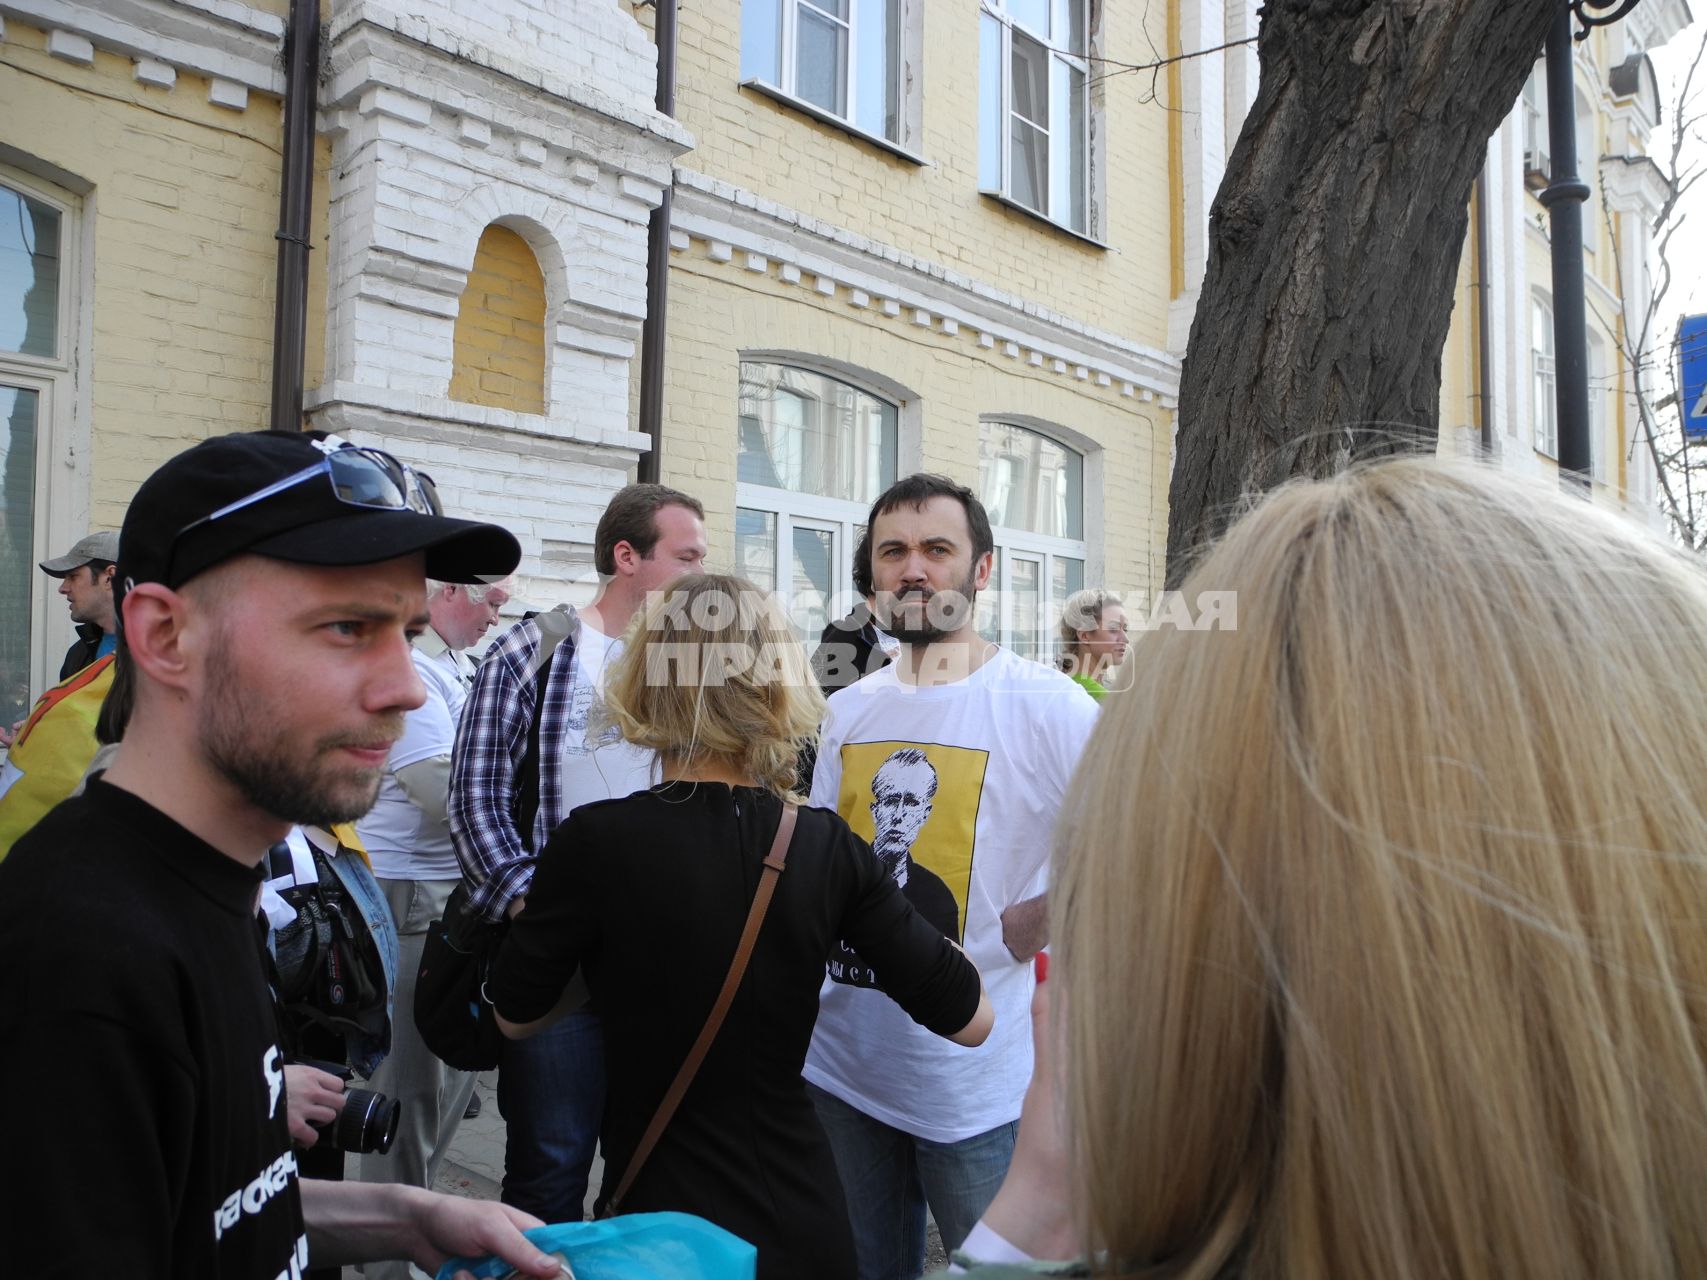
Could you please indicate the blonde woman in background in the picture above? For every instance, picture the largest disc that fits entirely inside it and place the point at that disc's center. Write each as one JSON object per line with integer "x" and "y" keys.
{"x": 1093, "y": 638}
{"x": 649, "y": 894}
{"x": 1381, "y": 932}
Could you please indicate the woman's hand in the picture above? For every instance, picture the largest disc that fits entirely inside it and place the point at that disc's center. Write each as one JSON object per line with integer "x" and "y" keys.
{"x": 1034, "y": 1211}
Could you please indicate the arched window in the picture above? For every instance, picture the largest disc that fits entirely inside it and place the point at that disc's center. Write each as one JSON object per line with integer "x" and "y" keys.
{"x": 499, "y": 342}
{"x": 37, "y": 380}
{"x": 1033, "y": 486}
{"x": 813, "y": 453}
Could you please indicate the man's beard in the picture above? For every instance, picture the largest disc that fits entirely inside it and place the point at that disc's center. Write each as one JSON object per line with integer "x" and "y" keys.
{"x": 952, "y": 605}
{"x": 305, "y": 789}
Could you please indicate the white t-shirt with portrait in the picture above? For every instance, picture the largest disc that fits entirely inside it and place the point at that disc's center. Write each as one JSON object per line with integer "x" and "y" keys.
{"x": 990, "y": 757}
{"x": 608, "y": 767}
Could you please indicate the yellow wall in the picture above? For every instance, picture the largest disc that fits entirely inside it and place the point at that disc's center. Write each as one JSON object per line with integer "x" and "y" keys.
{"x": 185, "y": 202}
{"x": 500, "y": 327}
{"x": 719, "y": 311}
{"x": 934, "y": 211}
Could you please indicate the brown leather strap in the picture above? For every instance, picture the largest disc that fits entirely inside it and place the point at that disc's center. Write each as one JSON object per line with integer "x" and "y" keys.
{"x": 775, "y": 860}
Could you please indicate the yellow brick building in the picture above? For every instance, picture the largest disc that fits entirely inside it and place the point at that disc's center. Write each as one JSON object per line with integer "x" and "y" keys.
{"x": 858, "y": 292}
{"x": 480, "y": 189}
{"x": 1500, "y": 364}
{"x": 139, "y": 200}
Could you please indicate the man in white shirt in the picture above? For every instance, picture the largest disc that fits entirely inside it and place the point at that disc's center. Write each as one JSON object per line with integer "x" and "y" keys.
{"x": 408, "y": 840}
{"x": 528, "y": 751}
{"x": 954, "y": 762}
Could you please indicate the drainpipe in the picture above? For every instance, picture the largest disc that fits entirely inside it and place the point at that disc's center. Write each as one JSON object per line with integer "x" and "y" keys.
{"x": 1564, "y": 198}
{"x": 1484, "y": 375}
{"x": 657, "y": 267}
{"x": 296, "y": 190}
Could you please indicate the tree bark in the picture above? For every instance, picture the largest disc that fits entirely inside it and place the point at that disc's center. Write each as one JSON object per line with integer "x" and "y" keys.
{"x": 1334, "y": 243}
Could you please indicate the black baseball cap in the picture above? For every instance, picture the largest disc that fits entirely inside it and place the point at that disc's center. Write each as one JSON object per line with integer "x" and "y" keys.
{"x": 168, "y": 537}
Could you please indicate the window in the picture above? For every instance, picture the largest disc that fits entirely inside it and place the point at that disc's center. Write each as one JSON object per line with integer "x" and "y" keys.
{"x": 1034, "y": 489}
{"x": 813, "y": 454}
{"x": 1588, "y": 168}
{"x": 35, "y": 385}
{"x": 1544, "y": 400}
{"x": 1034, "y": 107}
{"x": 1598, "y": 389}
{"x": 1537, "y": 165}
{"x": 840, "y": 57}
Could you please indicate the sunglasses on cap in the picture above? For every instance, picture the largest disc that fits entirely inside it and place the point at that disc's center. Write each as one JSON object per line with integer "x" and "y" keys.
{"x": 360, "y": 477}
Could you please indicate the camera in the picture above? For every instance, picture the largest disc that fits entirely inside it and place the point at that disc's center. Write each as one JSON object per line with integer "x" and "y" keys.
{"x": 367, "y": 1122}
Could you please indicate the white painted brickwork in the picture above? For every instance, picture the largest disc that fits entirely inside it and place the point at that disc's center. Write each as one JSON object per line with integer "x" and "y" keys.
{"x": 446, "y": 119}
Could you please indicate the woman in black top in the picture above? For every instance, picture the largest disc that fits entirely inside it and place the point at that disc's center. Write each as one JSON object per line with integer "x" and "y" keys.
{"x": 649, "y": 893}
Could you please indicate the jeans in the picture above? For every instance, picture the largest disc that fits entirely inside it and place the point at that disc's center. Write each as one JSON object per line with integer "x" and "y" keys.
{"x": 889, "y": 1176}
{"x": 551, "y": 1093}
{"x": 433, "y": 1095}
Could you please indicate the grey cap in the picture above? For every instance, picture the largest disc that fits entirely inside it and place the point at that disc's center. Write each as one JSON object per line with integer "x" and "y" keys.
{"x": 91, "y": 546}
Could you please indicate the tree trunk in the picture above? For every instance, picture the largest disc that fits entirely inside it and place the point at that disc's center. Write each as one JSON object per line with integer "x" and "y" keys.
{"x": 1334, "y": 243}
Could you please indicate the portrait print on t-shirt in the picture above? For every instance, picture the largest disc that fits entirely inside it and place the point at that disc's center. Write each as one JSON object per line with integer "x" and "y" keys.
{"x": 916, "y": 803}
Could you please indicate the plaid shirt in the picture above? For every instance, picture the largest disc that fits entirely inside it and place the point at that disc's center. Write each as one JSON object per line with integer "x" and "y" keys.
{"x": 491, "y": 739}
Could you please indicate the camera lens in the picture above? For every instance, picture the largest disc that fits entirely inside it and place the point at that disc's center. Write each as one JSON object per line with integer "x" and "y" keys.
{"x": 367, "y": 1123}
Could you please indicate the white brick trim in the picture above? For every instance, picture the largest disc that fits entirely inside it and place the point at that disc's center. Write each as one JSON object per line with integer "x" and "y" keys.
{"x": 721, "y": 219}
{"x": 220, "y": 39}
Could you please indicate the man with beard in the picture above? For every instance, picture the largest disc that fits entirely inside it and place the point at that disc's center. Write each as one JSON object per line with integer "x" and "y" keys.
{"x": 913, "y": 1121}
{"x": 268, "y": 588}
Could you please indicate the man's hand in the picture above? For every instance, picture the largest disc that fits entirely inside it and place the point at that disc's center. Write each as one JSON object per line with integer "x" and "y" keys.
{"x": 9, "y": 736}
{"x": 370, "y": 1222}
{"x": 1025, "y": 927}
{"x": 516, "y": 905}
{"x": 312, "y": 1097}
{"x": 450, "y": 1226}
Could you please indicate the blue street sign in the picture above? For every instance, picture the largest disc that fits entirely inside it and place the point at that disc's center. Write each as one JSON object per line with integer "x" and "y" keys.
{"x": 1692, "y": 373}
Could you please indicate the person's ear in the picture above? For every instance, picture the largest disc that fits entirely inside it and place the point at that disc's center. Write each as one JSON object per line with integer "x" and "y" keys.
{"x": 981, "y": 571}
{"x": 627, "y": 559}
{"x": 107, "y": 576}
{"x": 157, "y": 623}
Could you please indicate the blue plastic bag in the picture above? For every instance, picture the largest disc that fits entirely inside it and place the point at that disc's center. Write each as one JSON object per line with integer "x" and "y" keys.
{"x": 635, "y": 1246}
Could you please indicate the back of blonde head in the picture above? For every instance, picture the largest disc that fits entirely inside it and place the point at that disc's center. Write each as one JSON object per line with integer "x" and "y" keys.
{"x": 1383, "y": 924}
{"x": 712, "y": 672}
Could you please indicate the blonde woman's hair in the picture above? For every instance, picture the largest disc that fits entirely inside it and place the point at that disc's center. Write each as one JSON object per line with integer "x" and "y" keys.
{"x": 1382, "y": 925}
{"x": 1082, "y": 611}
{"x": 712, "y": 672}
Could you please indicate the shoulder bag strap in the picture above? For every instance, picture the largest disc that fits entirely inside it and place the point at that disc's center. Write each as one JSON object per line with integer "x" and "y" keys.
{"x": 774, "y": 862}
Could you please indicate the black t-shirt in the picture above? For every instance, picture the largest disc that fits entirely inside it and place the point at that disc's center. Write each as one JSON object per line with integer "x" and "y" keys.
{"x": 139, "y": 1056}
{"x": 650, "y": 893}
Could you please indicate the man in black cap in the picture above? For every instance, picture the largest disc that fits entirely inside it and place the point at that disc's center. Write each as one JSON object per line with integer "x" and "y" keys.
{"x": 268, "y": 587}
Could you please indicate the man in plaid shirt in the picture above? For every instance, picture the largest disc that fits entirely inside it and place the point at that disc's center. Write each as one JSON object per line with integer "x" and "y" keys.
{"x": 506, "y": 800}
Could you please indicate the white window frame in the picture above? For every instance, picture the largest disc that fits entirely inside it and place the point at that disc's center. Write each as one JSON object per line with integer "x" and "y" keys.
{"x": 1544, "y": 376}
{"x": 789, "y": 505}
{"x": 1537, "y": 163}
{"x": 1599, "y": 387}
{"x": 1047, "y": 548}
{"x": 784, "y": 86}
{"x": 61, "y": 465}
{"x": 1060, "y": 60}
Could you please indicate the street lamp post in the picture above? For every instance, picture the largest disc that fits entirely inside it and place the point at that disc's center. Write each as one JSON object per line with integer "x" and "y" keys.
{"x": 1563, "y": 199}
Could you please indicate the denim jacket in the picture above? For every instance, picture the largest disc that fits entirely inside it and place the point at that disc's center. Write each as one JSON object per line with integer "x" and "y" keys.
{"x": 365, "y": 1052}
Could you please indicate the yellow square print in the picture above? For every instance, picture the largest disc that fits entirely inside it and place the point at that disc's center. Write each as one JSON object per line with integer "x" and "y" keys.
{"x": 916, "y": 803}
